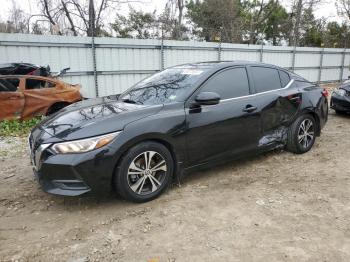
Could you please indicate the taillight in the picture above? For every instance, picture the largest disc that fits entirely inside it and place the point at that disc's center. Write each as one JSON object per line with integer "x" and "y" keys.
{"x": 325, "y": 92}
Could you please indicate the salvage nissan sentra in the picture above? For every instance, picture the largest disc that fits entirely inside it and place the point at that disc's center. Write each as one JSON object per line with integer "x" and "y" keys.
{"x": 177, "y": 120}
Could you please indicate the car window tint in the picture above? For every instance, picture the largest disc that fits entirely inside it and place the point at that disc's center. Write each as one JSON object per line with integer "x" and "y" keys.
{"x": 265, "y": 79}
{"x": 9, "y": 84}
{"x": 35, "y": 84}
{"x": 285, "y": 78}
{"x": 228, "y": 83}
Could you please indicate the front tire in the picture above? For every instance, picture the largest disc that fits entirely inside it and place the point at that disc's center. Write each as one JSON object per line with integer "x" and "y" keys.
{"x": 145, "y": 172}
{"x": 302, "y": 134}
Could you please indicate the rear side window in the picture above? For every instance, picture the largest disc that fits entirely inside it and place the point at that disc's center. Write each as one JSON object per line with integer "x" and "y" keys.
{"x": 265, "y": 79}
{"x": 9, "y": 84}
{"x": 285, "y": 78}
{"x": 229, "y": 83}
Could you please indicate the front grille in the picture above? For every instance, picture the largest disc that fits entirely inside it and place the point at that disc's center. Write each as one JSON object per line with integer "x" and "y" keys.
{"x": 38, "y": 154}
{"x": 36, "y": 151}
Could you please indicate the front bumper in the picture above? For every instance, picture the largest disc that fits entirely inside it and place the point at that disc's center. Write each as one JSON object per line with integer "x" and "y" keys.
{"x": 340, "y": 103}
{"x": 61, "y": 187}
{"x": 75, "y": 174}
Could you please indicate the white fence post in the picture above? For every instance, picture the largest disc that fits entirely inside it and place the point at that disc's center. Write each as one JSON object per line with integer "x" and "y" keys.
{"x": 321, "y": 65}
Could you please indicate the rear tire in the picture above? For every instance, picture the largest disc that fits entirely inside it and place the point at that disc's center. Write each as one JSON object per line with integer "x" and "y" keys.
{"x": 144, "y": 172}
{"x": 302, "y": 134}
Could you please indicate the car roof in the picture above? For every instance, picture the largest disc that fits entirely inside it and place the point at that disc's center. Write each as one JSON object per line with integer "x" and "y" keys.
{"x": 223, "y": 64}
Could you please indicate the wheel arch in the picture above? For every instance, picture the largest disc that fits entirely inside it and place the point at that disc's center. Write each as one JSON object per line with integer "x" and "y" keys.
{"x": 158, "y": 138}
{"x": 317, "y": 119}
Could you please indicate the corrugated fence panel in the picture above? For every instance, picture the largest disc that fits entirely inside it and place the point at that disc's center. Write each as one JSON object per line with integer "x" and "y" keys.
{"x": 116, "y": 84}
{"x": 240, "y": 52}
{"x": 86, "y": 82}
{"x": 123, "y": 62}
{"x": 330, "y": 75}
{"x": 180, "y": 52}
{"x": 309, "y": 74}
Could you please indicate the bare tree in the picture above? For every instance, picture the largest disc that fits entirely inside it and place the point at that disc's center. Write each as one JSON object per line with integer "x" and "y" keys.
{"x": 17, "y": 21}
{"x": 343, "y": 8}
{"x": 173, "y": 15}
{"x": 256, "y": 13}
{"x": 298, "y": 9}
{"x": 79, "y": 16}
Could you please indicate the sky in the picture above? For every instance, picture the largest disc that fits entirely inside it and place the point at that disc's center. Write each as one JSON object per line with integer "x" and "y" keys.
{"x": 327, "y": 9}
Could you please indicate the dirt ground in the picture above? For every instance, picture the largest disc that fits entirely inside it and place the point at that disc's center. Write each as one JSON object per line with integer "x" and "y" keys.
{"x": 274, "y": 207}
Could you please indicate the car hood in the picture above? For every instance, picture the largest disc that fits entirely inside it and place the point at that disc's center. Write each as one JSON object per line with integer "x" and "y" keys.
{"x": 94, "y": 117}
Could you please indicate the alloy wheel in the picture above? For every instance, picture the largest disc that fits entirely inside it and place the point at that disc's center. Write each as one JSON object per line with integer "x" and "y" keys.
{"x": 306, "y": 133}
{"x": 146, "y": 172}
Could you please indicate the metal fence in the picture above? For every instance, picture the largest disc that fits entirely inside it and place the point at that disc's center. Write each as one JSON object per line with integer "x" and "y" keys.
{"x": 122, "y": 62}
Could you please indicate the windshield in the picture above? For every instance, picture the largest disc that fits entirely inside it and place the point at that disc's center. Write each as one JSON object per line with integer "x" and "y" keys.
{"x": 167, "y": 86}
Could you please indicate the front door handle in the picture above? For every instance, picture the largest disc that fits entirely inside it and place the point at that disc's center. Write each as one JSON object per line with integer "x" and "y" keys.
{"x": 250, "y": 109}
{"x": 13, "y": 97}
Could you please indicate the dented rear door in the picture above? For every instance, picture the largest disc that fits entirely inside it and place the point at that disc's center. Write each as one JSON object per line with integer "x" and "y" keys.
{"x": 276, "y": 100}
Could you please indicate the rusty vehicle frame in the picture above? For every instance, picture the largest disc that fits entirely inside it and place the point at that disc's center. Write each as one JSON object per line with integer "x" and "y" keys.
{"x": 31, "y": 96}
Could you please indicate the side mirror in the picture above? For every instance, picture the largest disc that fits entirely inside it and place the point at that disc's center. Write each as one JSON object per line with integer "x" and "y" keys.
{"x": 208, "y": 98}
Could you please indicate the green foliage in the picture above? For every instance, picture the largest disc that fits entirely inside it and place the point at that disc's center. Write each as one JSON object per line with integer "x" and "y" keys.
{"x": 16, "y": 127}
{"x": 136, "y": 24}
{"x": 277, "y": 25}
{"x": 213, "y": 19}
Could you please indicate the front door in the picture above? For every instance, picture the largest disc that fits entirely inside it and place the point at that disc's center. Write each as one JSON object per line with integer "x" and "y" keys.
{"x": 40, "y": 95}
{"x": 11, "y": 99}
{"x": 229, "y": 128}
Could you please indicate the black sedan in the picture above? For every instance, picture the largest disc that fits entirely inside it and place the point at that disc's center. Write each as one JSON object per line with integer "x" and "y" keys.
{"x": 175, "y": 121}
{"x": 340, "y": 100}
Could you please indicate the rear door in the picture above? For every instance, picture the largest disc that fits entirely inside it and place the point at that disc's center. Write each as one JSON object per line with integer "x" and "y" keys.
{"x": 40, "y": 95}
{"x": 228, "y": 128}
{"x": 277, "y": 101}
{"x": 11, "y": 98}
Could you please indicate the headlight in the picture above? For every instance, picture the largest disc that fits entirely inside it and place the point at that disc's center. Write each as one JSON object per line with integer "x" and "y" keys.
{"x": 84, "y": 145}
{"x": 340, "y": 92}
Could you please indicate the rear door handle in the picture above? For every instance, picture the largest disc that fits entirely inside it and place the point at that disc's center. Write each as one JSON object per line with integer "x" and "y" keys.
{"x": 250, "y": 109}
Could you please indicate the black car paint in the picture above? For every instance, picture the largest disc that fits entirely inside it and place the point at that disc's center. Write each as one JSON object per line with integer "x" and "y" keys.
{"x": 197, "y": 136}
{"x": 341, "y": 103}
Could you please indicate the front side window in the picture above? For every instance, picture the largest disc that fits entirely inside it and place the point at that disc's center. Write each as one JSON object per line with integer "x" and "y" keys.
{"x": 37, "y": 84}
{"x": 265, "y": 79}
{"x": 229, "y": 83}
{"x": 9, "y": 84}
{"x": 173, "y": 84}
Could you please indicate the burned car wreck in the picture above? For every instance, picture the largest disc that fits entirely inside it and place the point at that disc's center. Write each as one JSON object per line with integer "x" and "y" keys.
{"x": 340, "y": 100}
{"x": 26, "y": 96}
